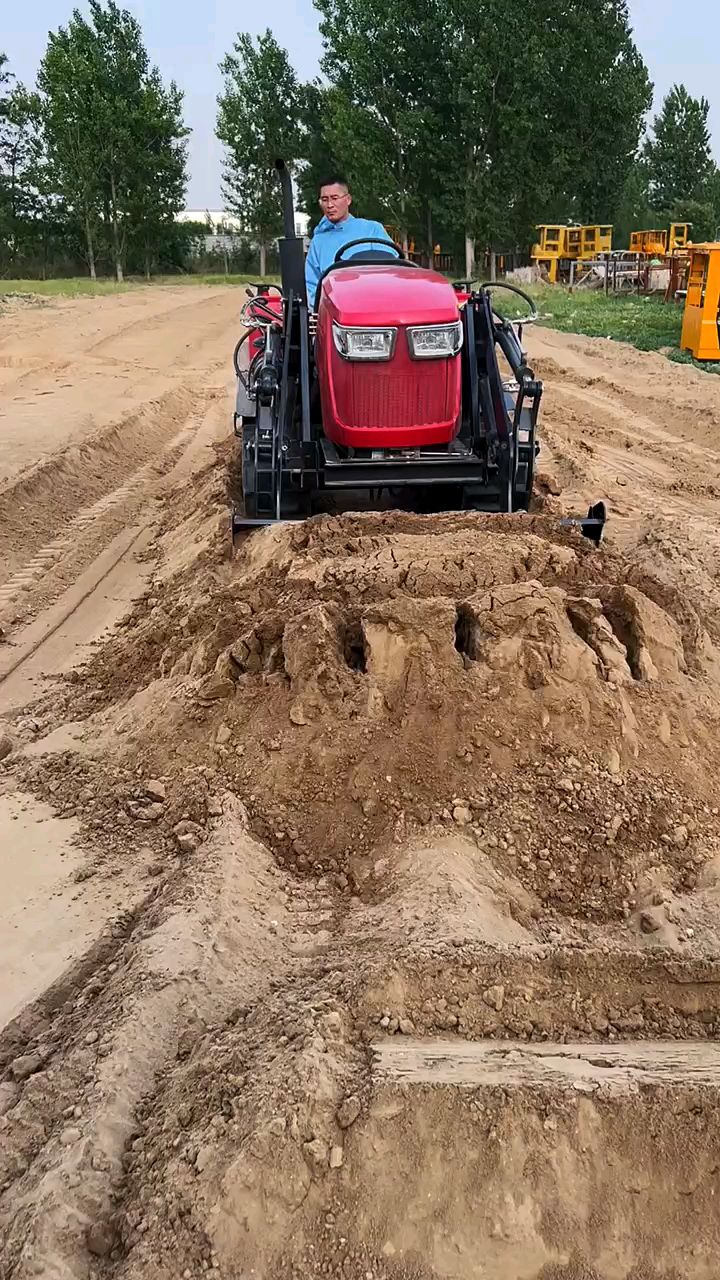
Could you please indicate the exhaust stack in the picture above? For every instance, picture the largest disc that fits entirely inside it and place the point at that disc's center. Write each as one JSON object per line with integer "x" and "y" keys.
{"x": 292, "y": 257}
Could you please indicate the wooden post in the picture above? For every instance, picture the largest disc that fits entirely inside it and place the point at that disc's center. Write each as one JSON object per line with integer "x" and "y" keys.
{"x": 572, "y": 274}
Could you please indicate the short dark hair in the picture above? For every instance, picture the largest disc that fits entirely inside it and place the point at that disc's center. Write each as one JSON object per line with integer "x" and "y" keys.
{"x": 334, "y": 180}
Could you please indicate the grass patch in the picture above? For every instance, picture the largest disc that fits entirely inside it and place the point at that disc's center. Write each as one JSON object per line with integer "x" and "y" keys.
{"x": 214, "y": 279}
{"x": 79, "y": 286}
{"x": 75, "y": 287}
{"x": 646, "y": 323}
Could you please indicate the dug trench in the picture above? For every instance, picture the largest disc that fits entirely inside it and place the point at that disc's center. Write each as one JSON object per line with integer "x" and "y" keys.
{"x": 424, "y": 977}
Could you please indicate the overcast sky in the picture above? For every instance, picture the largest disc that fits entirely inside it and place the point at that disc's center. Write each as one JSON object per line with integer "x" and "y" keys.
{"x": 187, "y": 40}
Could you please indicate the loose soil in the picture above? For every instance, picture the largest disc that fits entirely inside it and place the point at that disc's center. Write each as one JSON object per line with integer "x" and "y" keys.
{"x": 393, "y": 845}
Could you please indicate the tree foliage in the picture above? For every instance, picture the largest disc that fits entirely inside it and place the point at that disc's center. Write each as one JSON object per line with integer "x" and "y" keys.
{"x": 114, "y": 134}
{"x": 481, "y": 117}
{"x": 259, "y": 121}
{"x": 681, "y": 172}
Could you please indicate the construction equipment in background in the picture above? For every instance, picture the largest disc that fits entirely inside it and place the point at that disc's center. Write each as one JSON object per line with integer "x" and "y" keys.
{"x": 559, "y": 246}
{"x": 661, "y": 244}
{"x": 701, "y": 322}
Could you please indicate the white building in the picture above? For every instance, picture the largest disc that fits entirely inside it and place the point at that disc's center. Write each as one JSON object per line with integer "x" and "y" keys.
{"x": 223, "y": 223}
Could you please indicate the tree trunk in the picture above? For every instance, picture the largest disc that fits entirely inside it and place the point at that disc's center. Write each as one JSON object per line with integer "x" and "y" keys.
{"x": 431, "y": 246}
{"x": 263, "y": 258}
{"x": 90, "y": 247}
{"x": 117, "y": 253}
{"x": 493, "y": 265}
{"x": 147, "y": 262}
{"x": 469, "y": 257}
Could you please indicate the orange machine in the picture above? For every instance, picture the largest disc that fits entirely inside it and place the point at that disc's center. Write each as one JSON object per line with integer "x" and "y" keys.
{"x": 701, "y": 322}
{"x": 658, "y": 244}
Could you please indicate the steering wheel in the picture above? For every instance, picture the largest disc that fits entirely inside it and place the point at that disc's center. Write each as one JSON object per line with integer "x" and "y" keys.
{"x": 340, "y": 261}
{"x": 376, "y": 256}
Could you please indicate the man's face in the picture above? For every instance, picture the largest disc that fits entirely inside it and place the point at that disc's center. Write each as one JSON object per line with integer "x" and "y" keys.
{"x": 335, "y": 201}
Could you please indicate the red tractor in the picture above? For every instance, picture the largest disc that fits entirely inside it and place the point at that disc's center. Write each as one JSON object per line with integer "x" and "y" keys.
{"x": 388, "y": 380}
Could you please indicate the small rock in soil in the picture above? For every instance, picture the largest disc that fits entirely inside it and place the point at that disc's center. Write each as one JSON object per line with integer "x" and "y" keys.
{"x": 100, "y": 1239}
{"x": 348, "y": 1111}
{"x": 495, "y": 997}
{"x": 462, "y": 815}
{"x": 652, "y": 919}
{"x": 26, "y": 1065}
{"x": 316, "y": 1153}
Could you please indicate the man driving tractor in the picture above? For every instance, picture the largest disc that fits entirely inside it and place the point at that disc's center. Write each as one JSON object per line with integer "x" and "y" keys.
{"x": 336, "y": 228}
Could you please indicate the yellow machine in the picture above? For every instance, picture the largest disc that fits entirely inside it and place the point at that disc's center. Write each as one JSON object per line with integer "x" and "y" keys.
{"x": 651, "y": 244}
{"x": 550, "y": 248}
{"x": 701, "y": 322}
{"x": 595, "y": 240}
{"x": 658, "y": 244}
{"x": 558, "y": 244}
{"x": 679, "y": 236}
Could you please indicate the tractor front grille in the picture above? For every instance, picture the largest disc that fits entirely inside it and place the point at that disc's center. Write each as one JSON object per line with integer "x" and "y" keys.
{"x": 381, "y": 397}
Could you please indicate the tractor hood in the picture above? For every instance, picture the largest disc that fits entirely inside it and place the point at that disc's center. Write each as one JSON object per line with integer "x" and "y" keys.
{"x": 375, "y": 294}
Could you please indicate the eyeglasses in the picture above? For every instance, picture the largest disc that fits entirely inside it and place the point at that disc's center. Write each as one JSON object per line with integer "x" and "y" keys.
{"x": 334, "y": 199}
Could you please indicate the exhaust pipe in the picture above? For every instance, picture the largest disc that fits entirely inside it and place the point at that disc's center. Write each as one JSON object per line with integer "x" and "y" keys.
{"x": 288, "y": 209}
{"x": 292, "y": 256}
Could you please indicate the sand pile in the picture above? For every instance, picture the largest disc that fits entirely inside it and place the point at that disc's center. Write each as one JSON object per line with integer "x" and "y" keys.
{"x": 354, "y": 679}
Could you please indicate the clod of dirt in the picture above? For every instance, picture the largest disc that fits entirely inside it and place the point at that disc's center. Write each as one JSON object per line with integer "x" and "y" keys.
{"x": 26, "y": 1065}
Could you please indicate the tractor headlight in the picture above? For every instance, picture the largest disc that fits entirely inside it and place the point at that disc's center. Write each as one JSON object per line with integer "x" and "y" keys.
{"x": 435, "y": 341}
{"x": 364, "y": 344}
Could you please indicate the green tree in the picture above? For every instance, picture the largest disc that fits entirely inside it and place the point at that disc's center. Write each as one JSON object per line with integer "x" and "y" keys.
{"x": 157, "y": 192}
{"x": 21, "y": 165}
{"x": 599, "y": 95}
{"x": 318, "y": 153}
{"x": 24, "y": 187}
{"x": 632, "y": 211}
{"x": 111, "y": 128}
{"x": 478, "y": 116}
{"x": 5, "y": 145}
{"x": 388, "y": 63}
{"x": 679, "y": 157}
{"x": 259, "y": 121}
{"x": 67, "y": 81}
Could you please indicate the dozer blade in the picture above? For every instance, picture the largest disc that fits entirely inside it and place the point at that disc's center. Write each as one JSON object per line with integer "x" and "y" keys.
{"x": 591, "y": 526}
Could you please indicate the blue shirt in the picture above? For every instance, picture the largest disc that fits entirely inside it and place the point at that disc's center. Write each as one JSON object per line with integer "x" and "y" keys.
{"x": 331, "y": 236}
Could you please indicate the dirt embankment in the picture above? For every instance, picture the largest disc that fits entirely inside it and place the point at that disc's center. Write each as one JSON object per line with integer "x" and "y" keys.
{"x": 419, "y": 976}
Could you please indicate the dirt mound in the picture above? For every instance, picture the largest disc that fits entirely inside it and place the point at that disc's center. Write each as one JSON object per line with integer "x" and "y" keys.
{"x": 353, "y": 678}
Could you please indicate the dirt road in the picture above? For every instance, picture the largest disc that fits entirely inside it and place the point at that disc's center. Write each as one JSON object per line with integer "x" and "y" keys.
{"x": 361, "y": 893}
